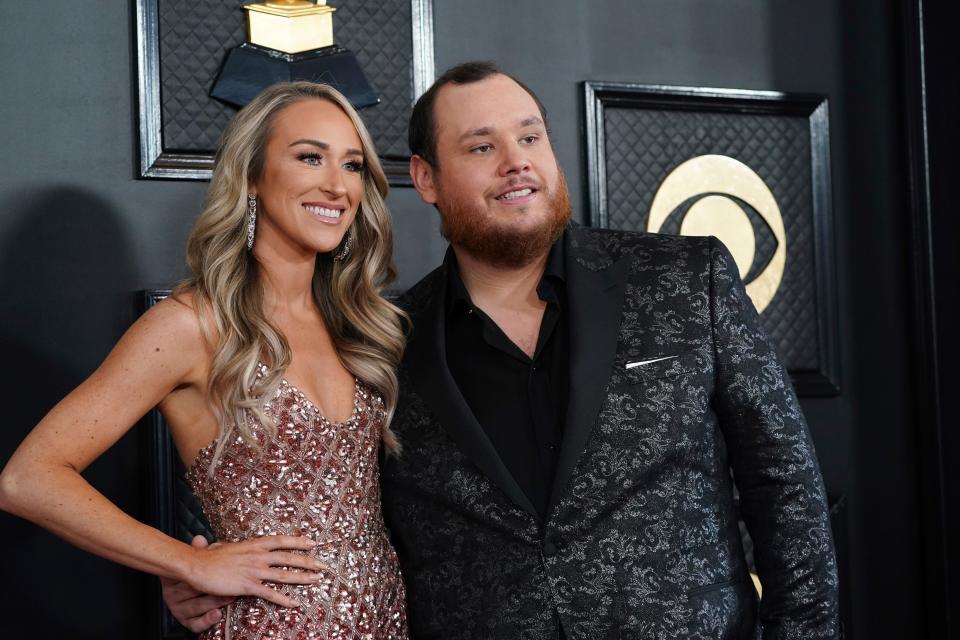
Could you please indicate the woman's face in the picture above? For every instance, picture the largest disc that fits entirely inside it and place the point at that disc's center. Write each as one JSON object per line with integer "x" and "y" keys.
{"x": 312, "y": 181}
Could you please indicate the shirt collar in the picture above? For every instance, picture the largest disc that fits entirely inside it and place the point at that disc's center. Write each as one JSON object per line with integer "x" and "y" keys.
{"x": 556, "y": 260}
{"x": 554, "y": 274}
{"x": 457, "y": 294}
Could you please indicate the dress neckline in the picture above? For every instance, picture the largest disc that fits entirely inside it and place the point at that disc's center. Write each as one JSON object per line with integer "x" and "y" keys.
{"x": 313, "y": 408}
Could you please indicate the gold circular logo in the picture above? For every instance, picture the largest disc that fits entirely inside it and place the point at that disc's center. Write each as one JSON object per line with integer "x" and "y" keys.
{"x": 716, "y": 177}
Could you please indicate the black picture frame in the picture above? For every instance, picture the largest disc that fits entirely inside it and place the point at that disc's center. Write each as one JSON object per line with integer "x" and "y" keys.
{"x": 823, "y": 378}
{"x": 156, "y": 161}
{"x": 171, "y": 506}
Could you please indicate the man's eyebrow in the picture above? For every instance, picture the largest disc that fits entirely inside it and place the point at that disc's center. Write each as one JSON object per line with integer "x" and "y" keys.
{"x": 323, "y": 145}
{"x": 477, "y": 133}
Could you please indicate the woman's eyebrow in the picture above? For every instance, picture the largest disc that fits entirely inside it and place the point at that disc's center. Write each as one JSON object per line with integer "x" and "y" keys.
{"x": 326, "y": 147}
{"x": 310, "y": 141}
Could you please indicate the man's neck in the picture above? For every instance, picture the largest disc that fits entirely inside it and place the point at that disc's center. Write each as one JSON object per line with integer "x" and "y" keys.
{"x": 496, "y": 287}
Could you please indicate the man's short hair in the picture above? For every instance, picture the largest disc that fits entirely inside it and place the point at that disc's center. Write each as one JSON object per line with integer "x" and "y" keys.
{"x": 422, "y": 134}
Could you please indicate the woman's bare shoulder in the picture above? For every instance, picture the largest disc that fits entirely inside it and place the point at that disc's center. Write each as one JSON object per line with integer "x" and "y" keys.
{"x": 172, "y": 327}
{"x": 175, "y": 315}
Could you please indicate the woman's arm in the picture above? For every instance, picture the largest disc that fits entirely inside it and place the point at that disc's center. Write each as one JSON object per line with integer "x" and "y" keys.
{"x": 163, "y": 351}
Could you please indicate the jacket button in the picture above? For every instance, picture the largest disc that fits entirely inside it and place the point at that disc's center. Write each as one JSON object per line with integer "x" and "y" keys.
{"x": 549, "y": 548}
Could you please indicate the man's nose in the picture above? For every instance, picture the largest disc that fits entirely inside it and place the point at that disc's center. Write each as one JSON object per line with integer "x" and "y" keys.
{"x": 514, "y": 160}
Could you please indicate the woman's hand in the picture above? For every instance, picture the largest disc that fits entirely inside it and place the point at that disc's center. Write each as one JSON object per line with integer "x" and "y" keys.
{"x": 195, "y": 610}
{"x": 241, "y": 568}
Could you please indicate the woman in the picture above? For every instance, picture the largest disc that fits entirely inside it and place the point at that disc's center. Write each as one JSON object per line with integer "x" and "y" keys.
{"x": 274, "y": 365}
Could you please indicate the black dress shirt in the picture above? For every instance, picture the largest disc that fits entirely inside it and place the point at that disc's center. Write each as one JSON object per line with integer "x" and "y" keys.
{"x": 519, "y": 401}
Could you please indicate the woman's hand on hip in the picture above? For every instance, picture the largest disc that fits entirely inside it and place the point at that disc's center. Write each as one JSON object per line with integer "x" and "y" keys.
{"x": 241, "y": 568}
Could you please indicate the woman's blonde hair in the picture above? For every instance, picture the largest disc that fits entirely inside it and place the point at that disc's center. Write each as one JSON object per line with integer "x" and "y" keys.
{"x": 226, "y": 282}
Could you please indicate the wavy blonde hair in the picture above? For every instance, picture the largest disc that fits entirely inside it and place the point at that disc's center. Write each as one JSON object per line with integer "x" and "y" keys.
{"x": 227, "y": 286}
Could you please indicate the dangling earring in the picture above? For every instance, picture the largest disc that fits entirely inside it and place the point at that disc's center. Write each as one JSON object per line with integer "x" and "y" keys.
{"x": 341, "y": 255}
{"x": 251, "y": 219}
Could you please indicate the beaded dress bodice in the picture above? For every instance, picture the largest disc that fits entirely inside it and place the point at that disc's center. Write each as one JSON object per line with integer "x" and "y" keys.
{"x": 318, "y": 479}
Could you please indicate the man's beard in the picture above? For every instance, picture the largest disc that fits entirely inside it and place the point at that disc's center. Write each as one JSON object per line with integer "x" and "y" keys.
{"x": 500, "y": 245}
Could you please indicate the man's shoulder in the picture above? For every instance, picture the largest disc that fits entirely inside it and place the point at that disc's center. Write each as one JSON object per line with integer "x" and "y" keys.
{"x": 614, "y": 244}
{"x": 420, "y": 294}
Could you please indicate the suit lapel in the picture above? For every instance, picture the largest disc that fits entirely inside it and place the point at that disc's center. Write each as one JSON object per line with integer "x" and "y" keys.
{"x": 595, "y": 303}
{"x": 426, "y": 361}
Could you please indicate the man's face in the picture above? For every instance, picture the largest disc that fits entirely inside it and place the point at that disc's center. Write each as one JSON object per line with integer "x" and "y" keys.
{"x": 497, "y": 185}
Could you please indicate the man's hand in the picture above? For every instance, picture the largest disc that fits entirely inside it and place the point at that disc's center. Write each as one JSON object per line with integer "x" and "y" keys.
{"x": 194, "y": 610}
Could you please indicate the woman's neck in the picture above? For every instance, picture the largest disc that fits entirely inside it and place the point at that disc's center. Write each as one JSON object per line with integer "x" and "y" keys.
{"x": 288, "y": 281}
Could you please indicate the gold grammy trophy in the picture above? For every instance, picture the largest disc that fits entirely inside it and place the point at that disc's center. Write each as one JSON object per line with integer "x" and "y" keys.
{"x": 290, "y": 40}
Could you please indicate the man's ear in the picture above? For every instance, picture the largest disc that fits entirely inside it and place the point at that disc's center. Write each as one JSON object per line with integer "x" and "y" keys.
{"x": 421, "y": 172}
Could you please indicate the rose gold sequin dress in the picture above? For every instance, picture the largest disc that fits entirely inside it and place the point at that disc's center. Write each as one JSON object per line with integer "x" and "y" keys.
{"x": 318, "y": 479}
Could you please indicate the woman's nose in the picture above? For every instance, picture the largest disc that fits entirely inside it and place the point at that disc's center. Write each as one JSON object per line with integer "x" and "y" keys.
{"x": 332, "y": 182}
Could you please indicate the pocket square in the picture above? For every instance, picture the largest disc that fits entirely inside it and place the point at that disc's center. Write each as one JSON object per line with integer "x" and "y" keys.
{"x": 640, "y": 363}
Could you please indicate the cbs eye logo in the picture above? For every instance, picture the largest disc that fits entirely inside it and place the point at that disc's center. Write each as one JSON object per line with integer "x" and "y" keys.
{"x": 717, "y": 185}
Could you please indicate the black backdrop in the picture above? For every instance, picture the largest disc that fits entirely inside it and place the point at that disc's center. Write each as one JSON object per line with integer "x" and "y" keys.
{"x": 79, "y": 234}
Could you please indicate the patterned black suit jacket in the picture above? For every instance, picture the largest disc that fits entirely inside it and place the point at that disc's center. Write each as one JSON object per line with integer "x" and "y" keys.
{"x": 641, "y": 539}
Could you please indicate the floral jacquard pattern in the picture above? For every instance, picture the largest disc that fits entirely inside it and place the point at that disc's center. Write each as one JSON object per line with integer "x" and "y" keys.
{"x": 642, "y": 538}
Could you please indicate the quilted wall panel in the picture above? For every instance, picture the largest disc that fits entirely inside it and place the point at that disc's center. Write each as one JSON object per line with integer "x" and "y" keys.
{"x": 194, "y": 36}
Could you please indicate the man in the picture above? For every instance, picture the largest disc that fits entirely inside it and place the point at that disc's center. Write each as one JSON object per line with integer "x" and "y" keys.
{"x": 573, "y": 402}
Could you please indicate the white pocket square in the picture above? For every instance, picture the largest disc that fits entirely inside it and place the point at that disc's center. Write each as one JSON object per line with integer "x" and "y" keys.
{"x": 640, "y": 363}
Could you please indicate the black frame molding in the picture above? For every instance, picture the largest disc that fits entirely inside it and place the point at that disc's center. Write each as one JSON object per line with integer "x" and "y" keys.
{"x": 929, "y": 106}
{"x": 161, "y": 467}
{"x": 598, "y": 96}
{"x": 156, "y": 162}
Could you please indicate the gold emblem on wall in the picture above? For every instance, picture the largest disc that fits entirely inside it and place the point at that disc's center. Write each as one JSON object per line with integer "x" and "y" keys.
{"x": 716, "y": 178}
